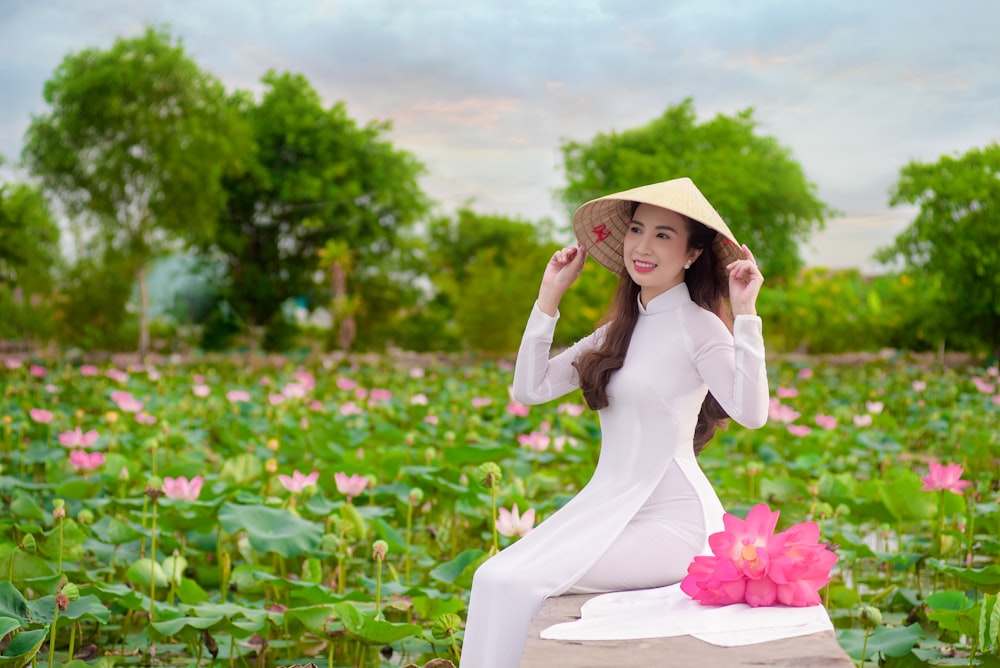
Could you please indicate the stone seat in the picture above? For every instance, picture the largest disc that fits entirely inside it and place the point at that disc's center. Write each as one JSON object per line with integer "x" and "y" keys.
{"x": 819, "y": 650}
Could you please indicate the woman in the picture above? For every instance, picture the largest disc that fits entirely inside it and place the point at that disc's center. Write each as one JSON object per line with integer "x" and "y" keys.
{"x": 657, "y": 372}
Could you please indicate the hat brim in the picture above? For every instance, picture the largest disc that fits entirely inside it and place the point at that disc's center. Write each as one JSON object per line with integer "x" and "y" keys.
{"x": 601, "y": 224}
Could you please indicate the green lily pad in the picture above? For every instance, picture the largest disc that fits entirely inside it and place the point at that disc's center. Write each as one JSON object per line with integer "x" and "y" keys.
{"x": 22, "y": 649}
{"x": 886, "y": 641}
{"x": 373, "y": 631}
{"x": 272, "y": 529}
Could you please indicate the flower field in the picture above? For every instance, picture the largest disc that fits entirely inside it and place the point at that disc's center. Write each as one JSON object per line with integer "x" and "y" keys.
{"x": 288, "y": 512}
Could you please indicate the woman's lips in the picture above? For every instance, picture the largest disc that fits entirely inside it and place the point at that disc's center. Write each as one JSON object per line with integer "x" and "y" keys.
{"x": 643, "y": 267}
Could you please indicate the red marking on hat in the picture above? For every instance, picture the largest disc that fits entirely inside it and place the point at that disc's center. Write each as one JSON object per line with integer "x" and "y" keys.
{"x": 602, "y": 232}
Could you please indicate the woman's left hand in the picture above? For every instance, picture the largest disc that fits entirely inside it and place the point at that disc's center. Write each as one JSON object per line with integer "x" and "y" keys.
{"x": 745, "y": 280}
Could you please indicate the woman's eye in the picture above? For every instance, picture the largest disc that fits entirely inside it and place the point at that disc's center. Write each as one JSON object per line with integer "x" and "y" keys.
{"x": 634, "y": 229}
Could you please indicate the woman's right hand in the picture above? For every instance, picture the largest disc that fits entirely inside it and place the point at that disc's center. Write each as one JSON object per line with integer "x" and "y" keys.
{"x": 560, "y": 273}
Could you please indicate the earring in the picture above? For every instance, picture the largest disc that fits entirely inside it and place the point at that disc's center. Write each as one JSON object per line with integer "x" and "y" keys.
{"x": 687, "y": 265}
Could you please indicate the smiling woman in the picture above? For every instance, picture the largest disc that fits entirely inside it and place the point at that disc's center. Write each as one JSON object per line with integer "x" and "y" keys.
{"x": 666, "y": 369}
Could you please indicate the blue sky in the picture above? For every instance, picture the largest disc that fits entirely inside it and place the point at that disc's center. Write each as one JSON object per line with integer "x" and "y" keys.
{"x": 484, "y": 91}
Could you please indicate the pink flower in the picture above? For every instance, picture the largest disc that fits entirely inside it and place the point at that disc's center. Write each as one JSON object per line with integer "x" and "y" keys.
{"x": 753, "y": 565}
{"x": 145, "y": 418}
{"x": 996, "y": 399}
{"x": 40, "y": 415}
{"x": 518, "y": 409}
{"x": 919, "y": 386}
{"x": 275, "y": 398}
{"x": 805, "y": 372}
{"x": 511, "y": 523}
{"x": 983, "y": 386}
{"x": 78, "y": 439}
{"x": 350, "y": 408}
{"x": 350, "y": 486}
{"x": 780, "y": 413}
{"x": 346, "y": 384}
{"x": 305, "y": 379}
{"x": 201, "y": 391}
{"x": 944, "y": 477}
{"x": 126, "y": 402}
{"x": 874, "y": 407}
{"x": 536, "y": 441}
{"x": 863, "y": 420}
{"x": 317, "y": 406}
{"x": 117, "y": 375}
{"x": 799, "y": 430}
{"x": 419, "y": 399}
{"x": 431, "y": 419}
{"x": 13, "y": 363}
{"x": 295, "y": 391}
{"x": 182, "y": 489}
{"x": 787, "y": 392}
{"x": 481, "y": 402}
{"x": 81, "y": 460}
{"x": 235, "y": 396}
{"x": 88, "y": 370}
{"x": 38, "y": 371}
{"x": 298, "y": 482}
{"x": 826, "y": 421}
{"x": 379, "y": 394}
{"x": 572, "y": 410}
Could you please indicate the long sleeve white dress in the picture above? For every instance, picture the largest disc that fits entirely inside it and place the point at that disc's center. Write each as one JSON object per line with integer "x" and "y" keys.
{"x": 648, "y": 509}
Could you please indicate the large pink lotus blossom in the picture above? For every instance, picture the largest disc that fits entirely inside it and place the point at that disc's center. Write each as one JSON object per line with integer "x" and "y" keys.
{"x": 13, "y": 363}
{"x": 145, "y": 418}
{"x": 874, "y": 407}
{"x": 350, "y": 408}
{"x": 182, "y": 489}
{"x": 380, "y": 394}
{"x": 38, "y": 371}
{"x": 298, "y": 481}
{"x": 863, "y": 420}
{"x": 984, "y": 386}
{"x": 201, "y": 390}
{"x": 88, "y": 370}
{"x": 126, "y": 402}
{"x": 419, "y": 399}
{"x": 295, "y": 391}
{"x": 82, "y": 460}
{"x": 78, "y": 439}
{"x": 40, "y": 415}
{"x": 799, "y": 430}
{"x": 805, "y": 372}
{"x": 787, "y": 392}
{"x": 919, "y": 385}
{"x": 946, "y": 476}
{"x": 350, "y": 486}
{"x": 753, "y": 565}
{"x": 481, "y": 402}
{"x": 511, "y": 523}
{"x": 346, "y": 384}
{"x": 826, "y": 421}
{"x": 572, "y": 410}
{"x": 117, "y": 375}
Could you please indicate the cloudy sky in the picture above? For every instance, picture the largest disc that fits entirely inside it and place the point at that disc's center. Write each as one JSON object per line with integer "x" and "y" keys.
{"x": 484, "y": 91}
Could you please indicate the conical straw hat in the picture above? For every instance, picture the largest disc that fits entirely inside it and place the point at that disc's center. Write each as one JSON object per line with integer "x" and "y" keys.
{"x": 600, "y": 224}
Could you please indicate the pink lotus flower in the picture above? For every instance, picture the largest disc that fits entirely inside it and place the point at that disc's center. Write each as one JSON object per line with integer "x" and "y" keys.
{"x": 81, "y": 460}
{"x": 201, "y": 391}
{"x": 298, "y": 482}
{"x": 863, "y": 420}
{"x": 350, "y": 486}
{"x": 536, "y": 441}
{"x": 983, "y": 386}
{"x": 182, "y": 489}
{"x": 778, "y": 412}
{"x": 572, "y": 410}
{"x": 511, "y": 523}
{"x": 826, "y": 421}
{"x": 305, "y": 379}
{"x": 874, "y": 407}
{"x": 295, "y": 391}
{"x": 919, "y": 386}
{"x": 40, "y": 415}
{"x": 350, "y": 408}
{"x": 88, "y": 370}
{"x": 13, "y": 363}
{"x": 431, "y": 419}
{"x": 517, "y": 409}
{"x": 944, "y": 477}
{"x": 235, "y": 396}
{"x": 127, "y": 403}
{"x": 799, "y": 430}
{"x": 145, "y": 418}
{"x": 378, "y": 394}
{"x": 787, "y": 392}
{"x": 481, "y": 402}
{"x": 38, "y": 371}
{"x": 346, "y": 384}
{"x": 419, "y": 399}
{"x": 753, "y": 565}
{"x": 78, "y": 439}
{"x": 117, "y": 375}
{"x": 317, "y": 406}
{"x": 805, "y": 373}
{"x": 275, "y": 398}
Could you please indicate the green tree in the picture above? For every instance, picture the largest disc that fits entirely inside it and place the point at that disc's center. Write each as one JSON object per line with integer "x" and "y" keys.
{"x": 316, "y": 177}
{"x": 954, "y": 241}
{"x": 754, "y": 183}
{"x": 135, "y": 143}
{"x": 486, "y": 270}
{"x": 29, "y": 253}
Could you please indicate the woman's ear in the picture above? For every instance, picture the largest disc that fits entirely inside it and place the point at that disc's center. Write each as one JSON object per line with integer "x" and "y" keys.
{"x": 694, "y": 254}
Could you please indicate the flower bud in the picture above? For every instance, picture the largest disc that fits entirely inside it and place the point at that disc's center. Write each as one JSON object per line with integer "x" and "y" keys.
{"x": 85, "y": 516}
{"x": 870, "y": 616}
{"x": 71, "y": 591}
{"x": 124, "y": 475}
{"x": 271, "y": 465}
{"x": 273, "y": 444}
{"x": 416, "y": 496}
{"x": 111, "y": 417}
{"x": 446, "y": 625}
{"x": 28, "y": 544}
{"x": 489, "y": 475}
{"x": 379, "y": 550}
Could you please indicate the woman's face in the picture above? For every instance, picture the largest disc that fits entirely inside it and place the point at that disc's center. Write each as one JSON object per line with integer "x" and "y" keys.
{"x": 656, "y": 250}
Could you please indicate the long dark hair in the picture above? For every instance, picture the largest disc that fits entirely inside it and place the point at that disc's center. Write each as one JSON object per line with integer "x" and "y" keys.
{"x": 708, "y": 284}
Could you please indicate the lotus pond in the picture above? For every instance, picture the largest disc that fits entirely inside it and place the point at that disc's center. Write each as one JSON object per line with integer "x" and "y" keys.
{"x": 191, "y": 512}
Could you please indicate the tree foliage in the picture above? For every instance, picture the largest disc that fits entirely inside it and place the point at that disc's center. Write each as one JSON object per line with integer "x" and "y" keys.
{"x": 955, "y": 240}
{"x": 754, "y": 183}
{"x": 315, "y": 177}
{"x": 135, "y": 142}
{"x": 29, "y": 239}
